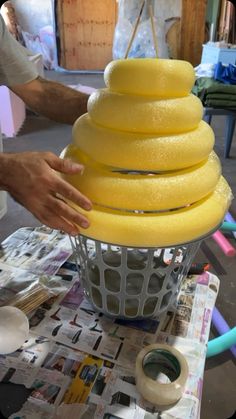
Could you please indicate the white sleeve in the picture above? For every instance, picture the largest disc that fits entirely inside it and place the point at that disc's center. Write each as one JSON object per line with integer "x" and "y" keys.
{"x": 15, "y": 68}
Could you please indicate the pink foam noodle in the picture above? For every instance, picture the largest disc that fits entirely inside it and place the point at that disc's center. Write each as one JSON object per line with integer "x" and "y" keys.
{"x": 224, "y": 244}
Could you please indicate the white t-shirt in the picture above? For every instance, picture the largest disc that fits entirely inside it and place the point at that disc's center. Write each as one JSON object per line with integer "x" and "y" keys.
{"x": 14, "y": 69}
{"x": 3, "y": 206}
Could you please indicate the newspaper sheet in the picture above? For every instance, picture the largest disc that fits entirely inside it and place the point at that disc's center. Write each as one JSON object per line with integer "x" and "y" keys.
{"x": 39, "y": 250}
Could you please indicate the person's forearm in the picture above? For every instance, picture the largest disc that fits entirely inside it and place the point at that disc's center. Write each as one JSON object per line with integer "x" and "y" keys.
{"x": 4, "y": 170}
{"x": 53, "y": 100}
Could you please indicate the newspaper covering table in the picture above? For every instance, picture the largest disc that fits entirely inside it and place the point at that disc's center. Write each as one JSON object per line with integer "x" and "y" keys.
{"x": 78, "y": 363}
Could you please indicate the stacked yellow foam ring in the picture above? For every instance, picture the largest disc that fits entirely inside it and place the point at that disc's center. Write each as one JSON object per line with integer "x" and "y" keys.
{"x": 149, "y": 166}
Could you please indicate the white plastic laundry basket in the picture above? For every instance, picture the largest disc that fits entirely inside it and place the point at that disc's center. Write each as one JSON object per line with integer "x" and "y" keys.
{"x": 131, "y": 283}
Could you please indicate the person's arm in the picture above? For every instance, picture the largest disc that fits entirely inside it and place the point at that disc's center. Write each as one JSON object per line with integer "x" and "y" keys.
{"x": 30, "y": 177}
{"x": 53, "y": 100}
{"x": 31, "y": 180}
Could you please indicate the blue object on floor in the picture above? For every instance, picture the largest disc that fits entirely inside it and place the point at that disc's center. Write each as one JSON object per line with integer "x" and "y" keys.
{"x": 230, "y": 125}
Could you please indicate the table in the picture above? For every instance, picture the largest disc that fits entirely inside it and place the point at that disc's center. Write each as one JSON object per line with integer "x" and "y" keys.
{"x": 77, "y": 360}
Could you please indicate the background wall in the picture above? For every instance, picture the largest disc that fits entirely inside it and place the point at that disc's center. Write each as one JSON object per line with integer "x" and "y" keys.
{"x": 33, "y": 14}
{"x": 167, "y": 8}
{"x": 164, "y": 12}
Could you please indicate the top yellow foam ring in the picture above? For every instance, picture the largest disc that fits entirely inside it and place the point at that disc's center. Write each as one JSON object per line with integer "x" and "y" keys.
{"x": 150, "y": 77}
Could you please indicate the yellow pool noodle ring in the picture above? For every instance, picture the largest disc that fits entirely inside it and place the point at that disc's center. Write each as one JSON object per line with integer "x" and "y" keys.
{"x": 145, "y": 114}
{"x": 135, "y": 151}
{"x": 144, "y": 192}
{"x": 150, "y": 76}
{"x": 159, "y": 229}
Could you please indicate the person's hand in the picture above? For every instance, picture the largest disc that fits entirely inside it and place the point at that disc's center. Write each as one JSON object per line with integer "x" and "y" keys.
{"x": 31, "y": 179}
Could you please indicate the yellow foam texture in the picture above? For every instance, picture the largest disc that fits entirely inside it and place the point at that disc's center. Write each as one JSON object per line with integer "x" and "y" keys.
{"x": 150, "y": 76}
{"x": 160, "y": 229}
{"x": 145, "y": 114}
{"x": 147, "y": 120}
{"x": 145, "y": 192}
{"x": 136, "y": 151}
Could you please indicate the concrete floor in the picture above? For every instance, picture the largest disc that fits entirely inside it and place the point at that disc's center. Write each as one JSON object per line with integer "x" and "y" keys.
{"x": 219, "y": 391}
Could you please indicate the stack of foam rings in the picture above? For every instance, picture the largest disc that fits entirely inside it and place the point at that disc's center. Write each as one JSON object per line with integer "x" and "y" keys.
{"x": 154, "y": 181}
